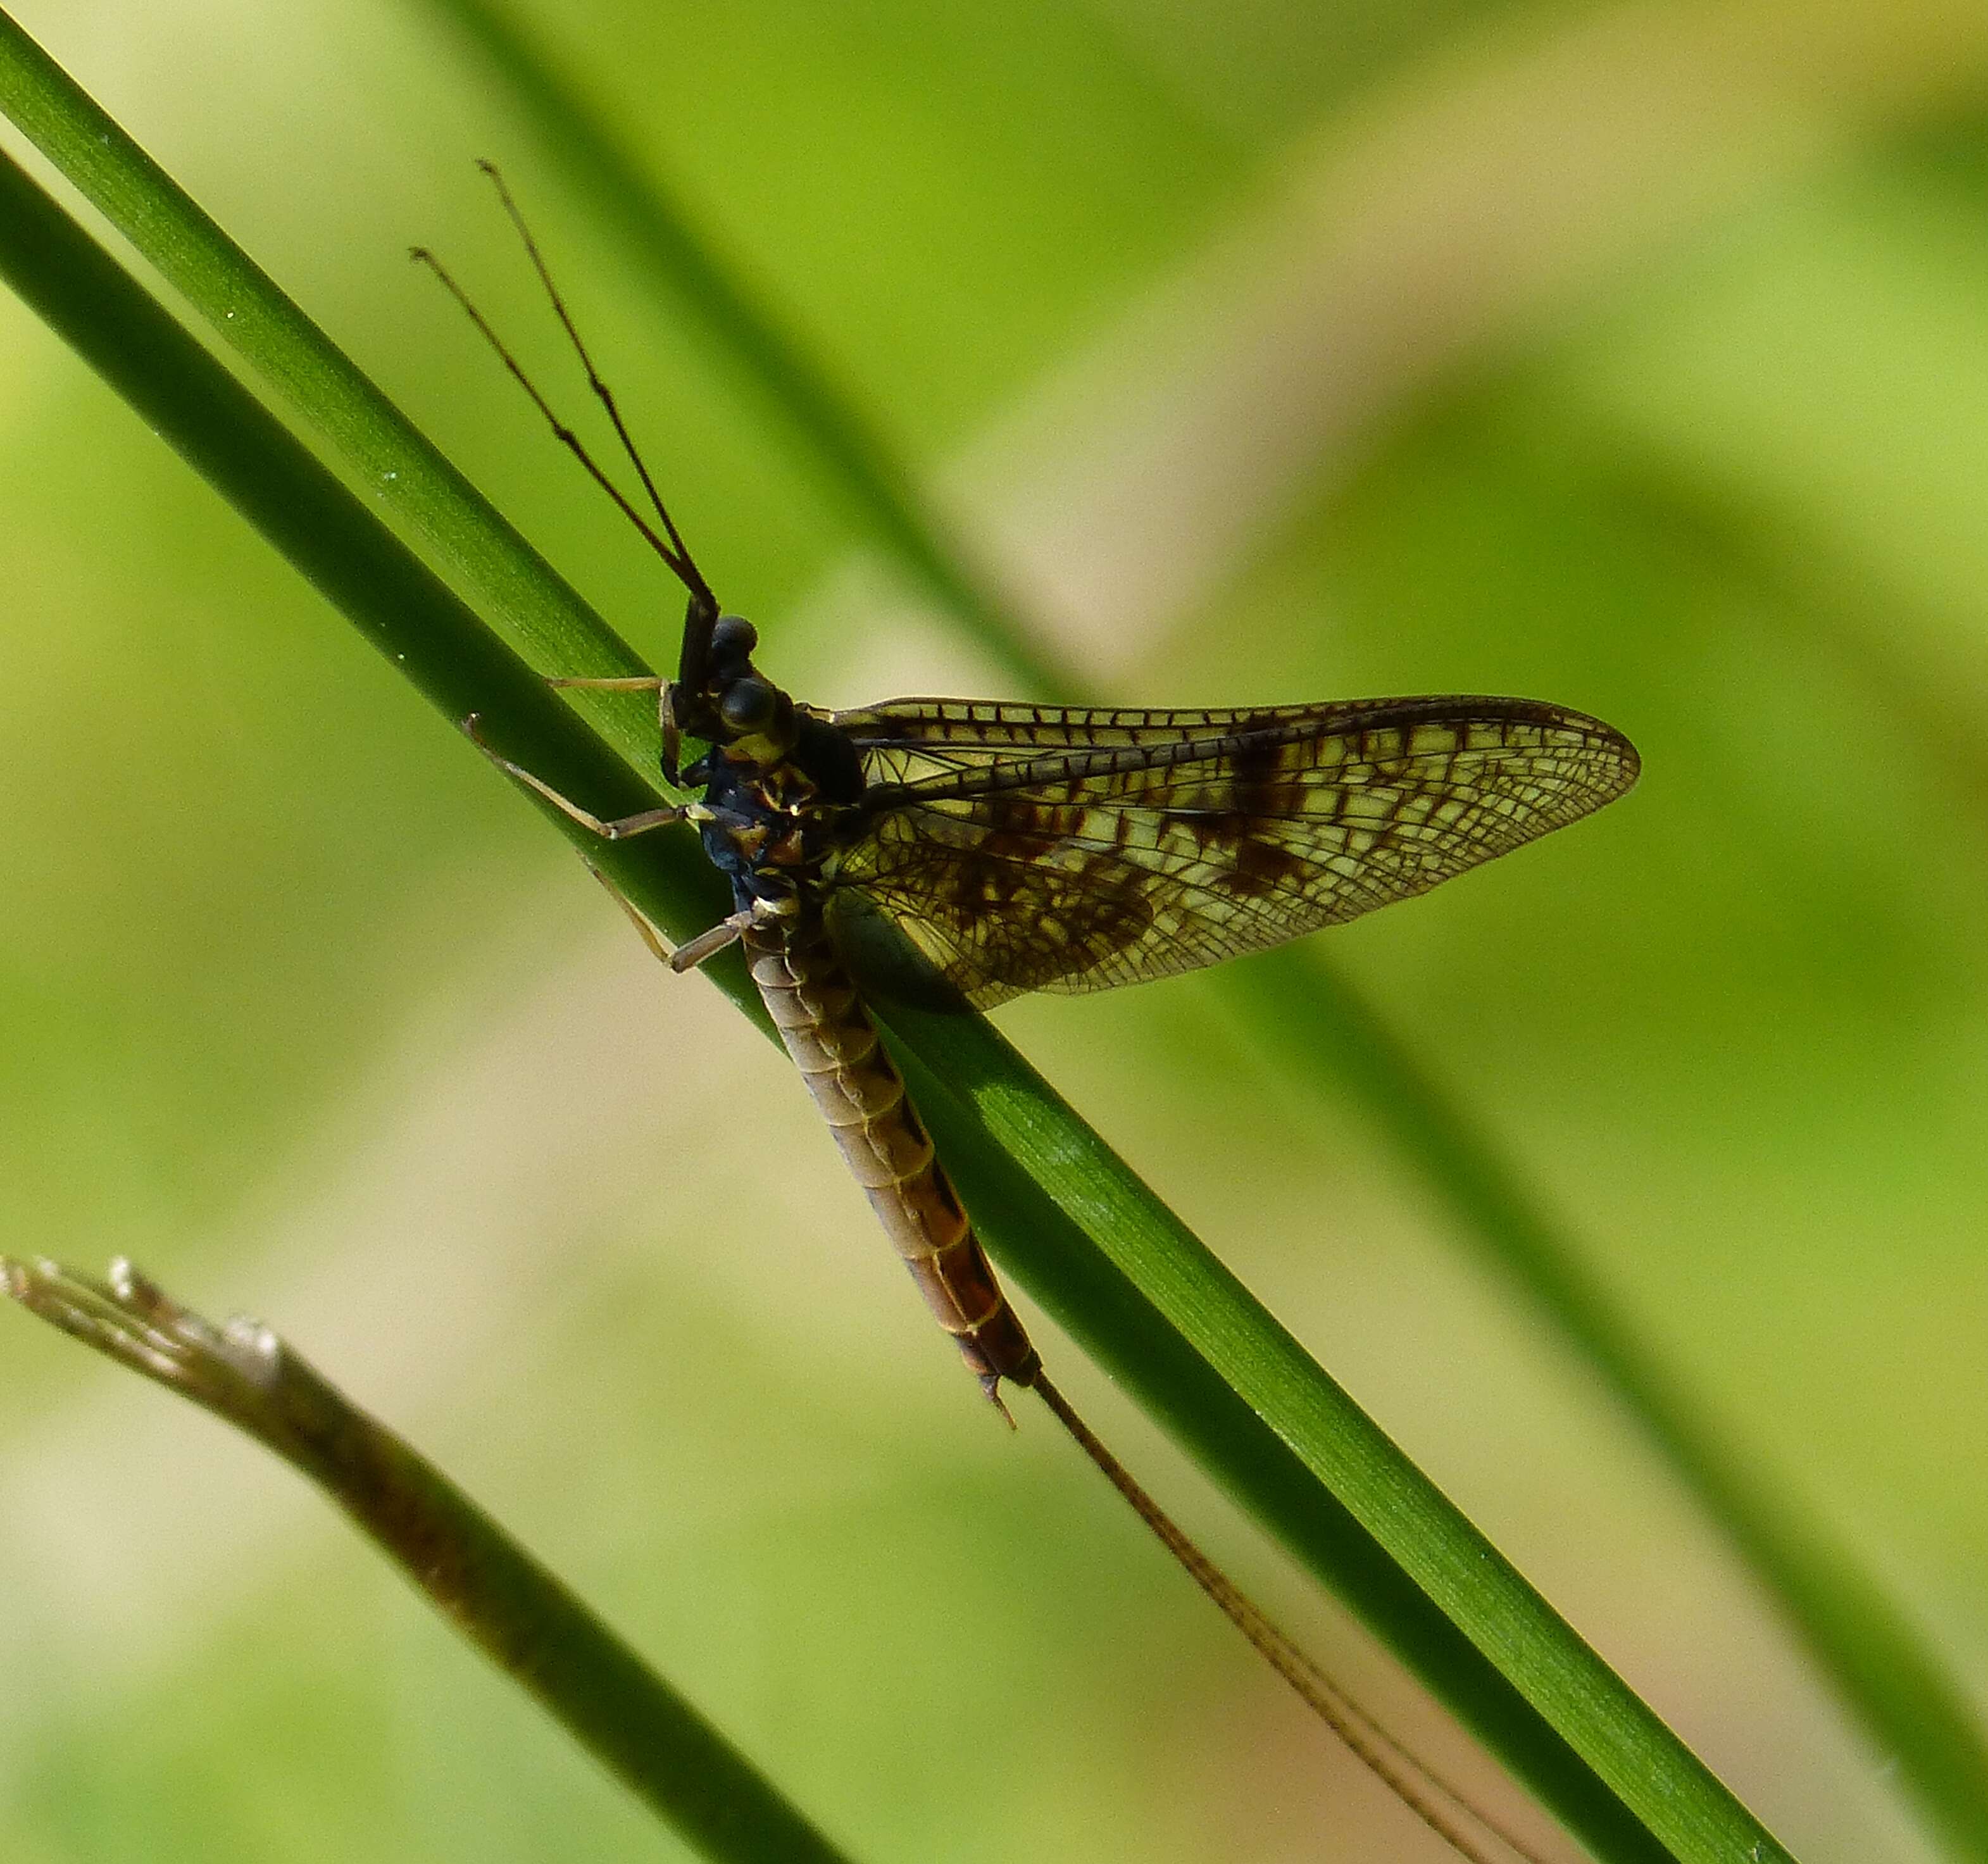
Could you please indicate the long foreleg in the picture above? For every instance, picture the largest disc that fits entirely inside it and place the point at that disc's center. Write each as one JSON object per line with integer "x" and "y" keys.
{"x": 685, "y": 957}
{"x": 609, "y": 828}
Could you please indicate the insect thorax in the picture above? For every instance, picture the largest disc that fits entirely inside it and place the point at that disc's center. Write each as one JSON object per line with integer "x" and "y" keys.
{"x": 771, "y": 825}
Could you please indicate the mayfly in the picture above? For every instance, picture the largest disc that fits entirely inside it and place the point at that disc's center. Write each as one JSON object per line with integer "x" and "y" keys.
{"x": 971, "y": 851}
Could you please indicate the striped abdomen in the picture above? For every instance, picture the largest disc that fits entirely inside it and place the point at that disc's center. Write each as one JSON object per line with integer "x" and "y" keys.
{"x": 821, "y": 1018}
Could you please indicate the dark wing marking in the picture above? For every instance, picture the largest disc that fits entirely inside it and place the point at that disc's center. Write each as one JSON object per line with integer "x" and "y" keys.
{"x": 1034, "y": 847}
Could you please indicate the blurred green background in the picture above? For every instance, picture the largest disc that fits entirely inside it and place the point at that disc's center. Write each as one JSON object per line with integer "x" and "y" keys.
{"x": 1632, "y": 356}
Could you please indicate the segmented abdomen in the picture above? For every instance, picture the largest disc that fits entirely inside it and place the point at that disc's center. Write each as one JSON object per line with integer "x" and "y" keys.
{"x": 821, "y": 1017}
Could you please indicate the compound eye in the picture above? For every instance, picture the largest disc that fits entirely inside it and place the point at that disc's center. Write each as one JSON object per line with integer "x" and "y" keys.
{"x": 732, "y": 637}
{"x": 748, "y": 704}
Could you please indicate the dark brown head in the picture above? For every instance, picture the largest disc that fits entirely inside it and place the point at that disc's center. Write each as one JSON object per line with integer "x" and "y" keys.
{"x": 720, "y": 696}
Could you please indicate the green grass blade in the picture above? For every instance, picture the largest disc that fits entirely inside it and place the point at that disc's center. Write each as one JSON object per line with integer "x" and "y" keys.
{"x": 475, "y": 1575}
{"x": 1178, "y": 1330}
{"x": 1303, "y": 1009}
{"x": 1617, "y": 1777}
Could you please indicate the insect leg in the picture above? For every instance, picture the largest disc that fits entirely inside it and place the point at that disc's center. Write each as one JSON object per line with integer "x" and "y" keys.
{"x": 634, "y": 682}
{"x": 645, "y": 927}
{"x": 617, "y": 682}
{"x": 618, "y": 828}
{"x": 688, "y": 956}
{"x": 693, "y": 952}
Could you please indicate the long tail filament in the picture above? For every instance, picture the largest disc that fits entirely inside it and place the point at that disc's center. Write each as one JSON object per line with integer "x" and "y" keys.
{"x": 1410, "y": 1780}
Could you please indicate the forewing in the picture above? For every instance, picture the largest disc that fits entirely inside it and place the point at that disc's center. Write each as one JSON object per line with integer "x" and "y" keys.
{"x": 1026, "y": 848}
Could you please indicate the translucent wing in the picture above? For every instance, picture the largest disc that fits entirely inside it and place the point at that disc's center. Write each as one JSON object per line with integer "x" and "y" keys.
{"x": 1031, "y": 848}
